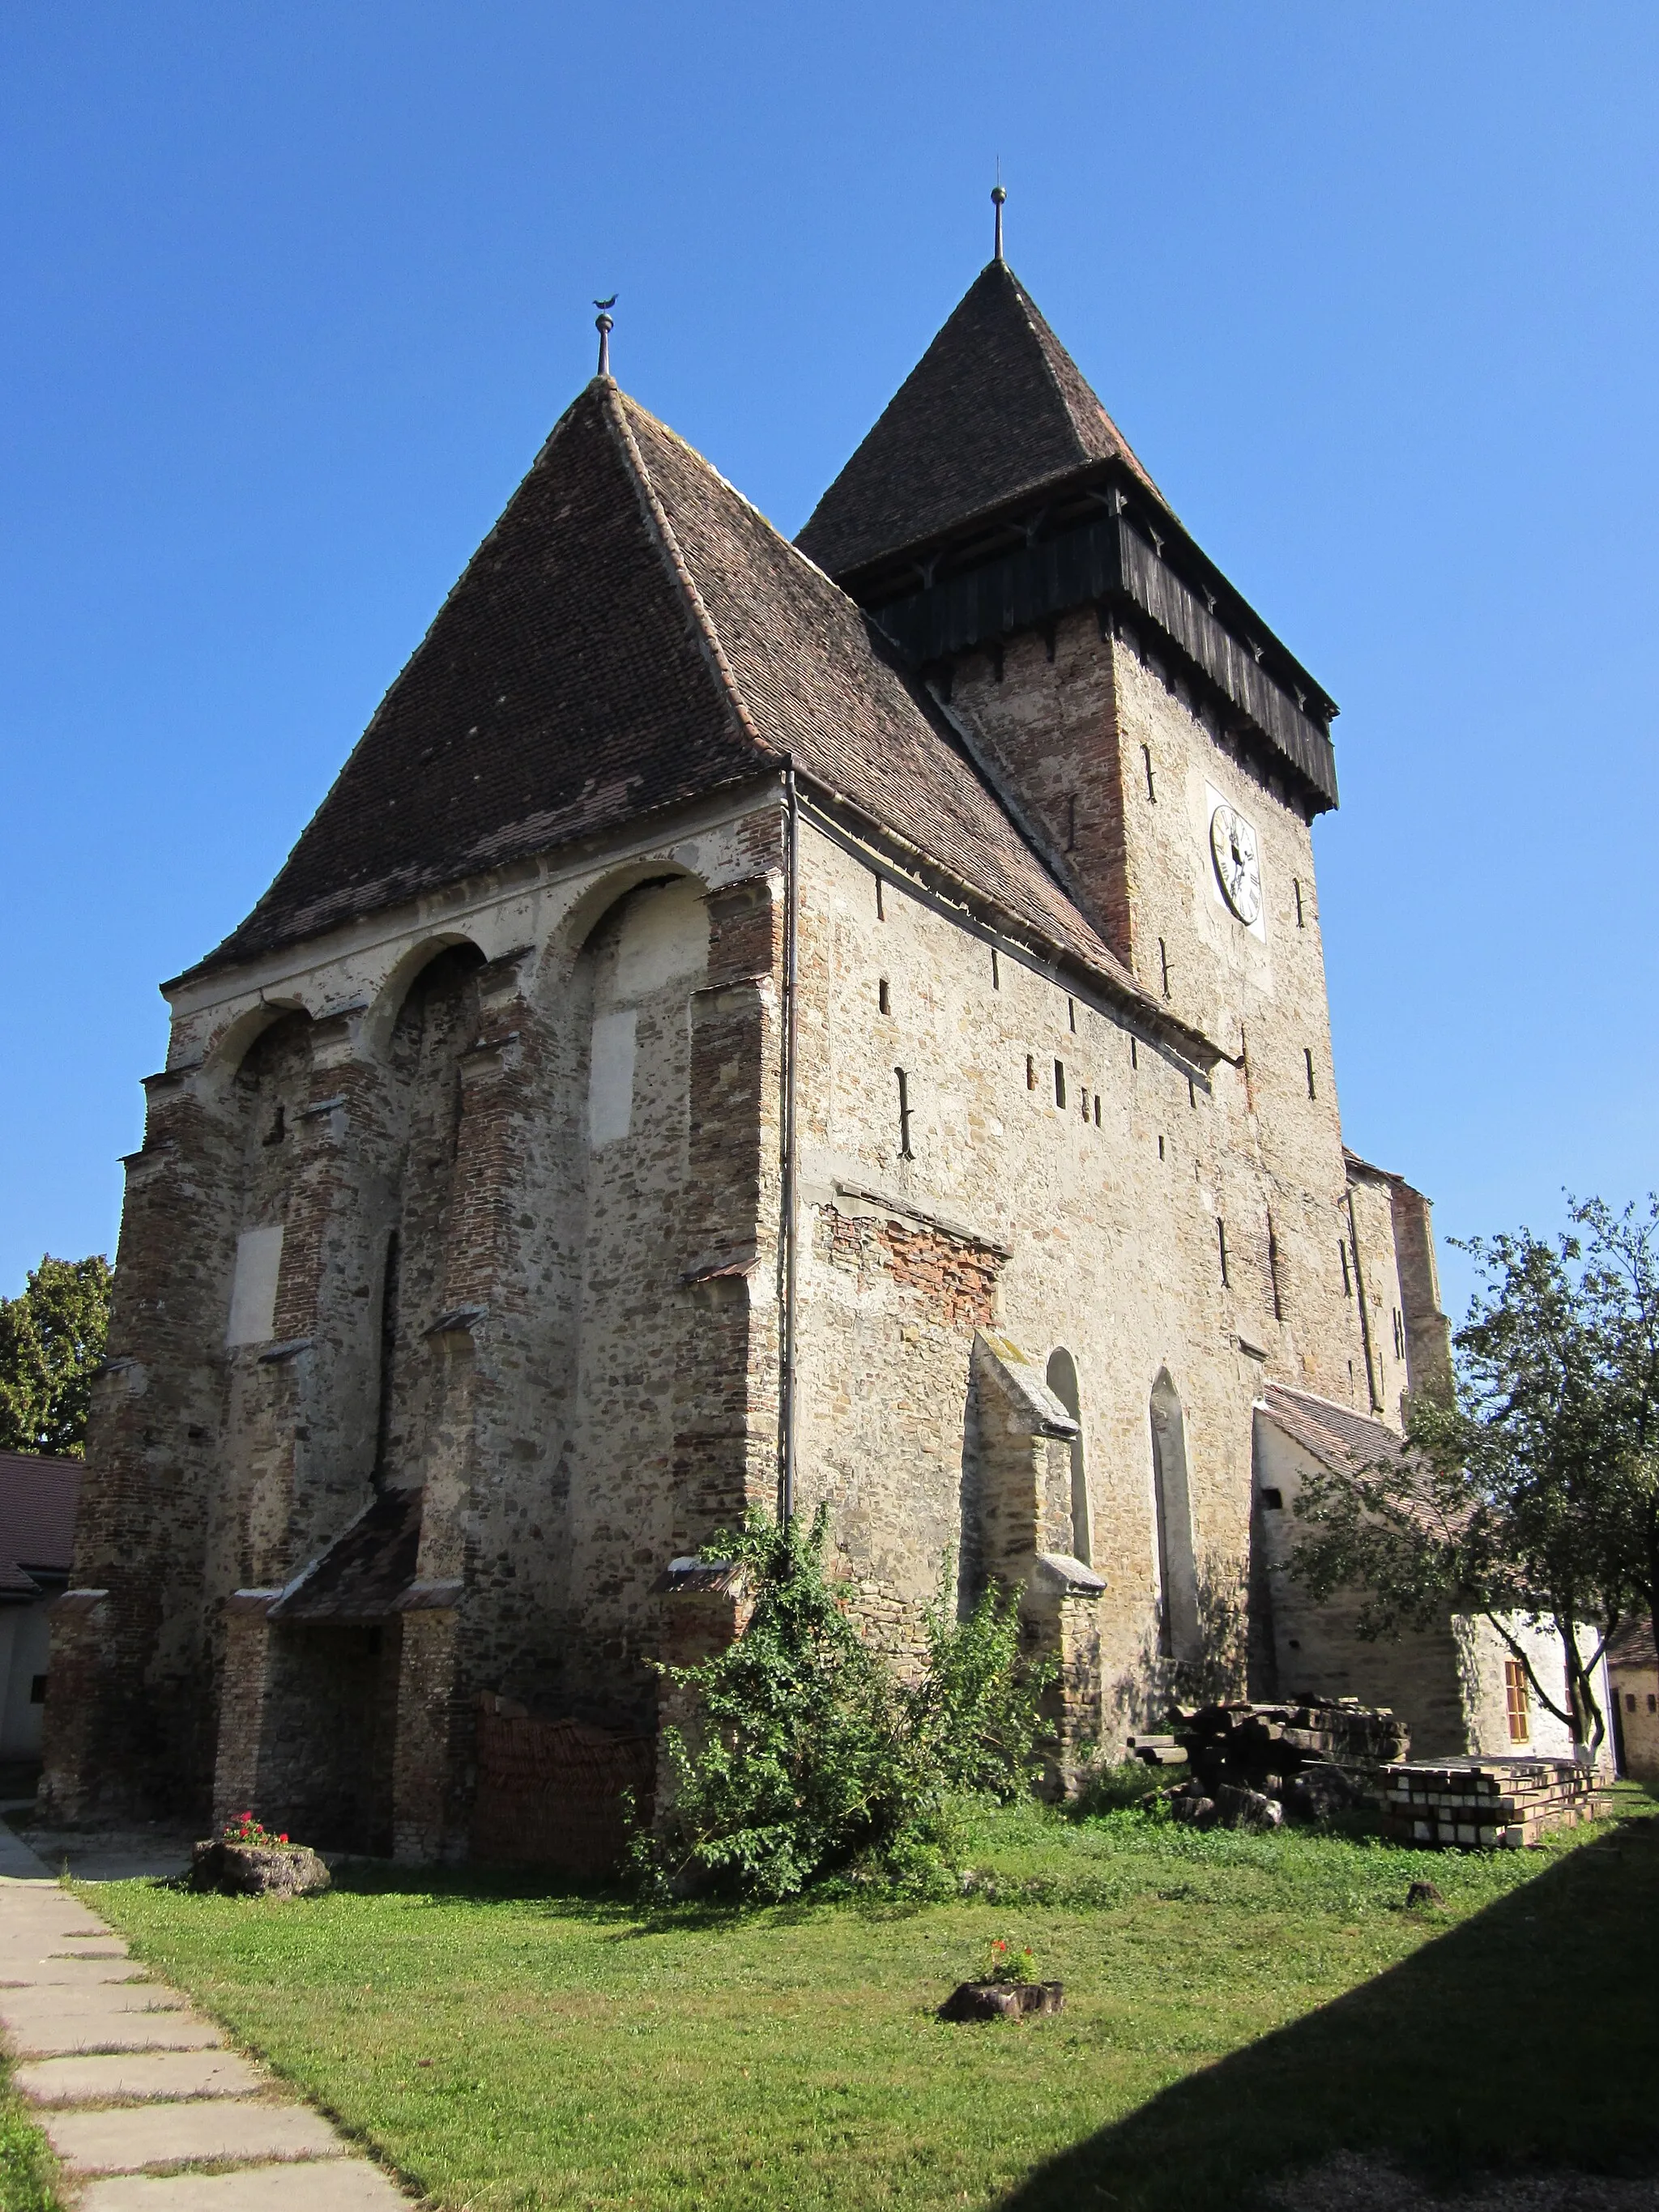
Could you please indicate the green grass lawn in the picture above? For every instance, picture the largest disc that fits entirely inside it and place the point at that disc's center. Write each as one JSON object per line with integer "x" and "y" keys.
{"x": 1236, "y": 2006}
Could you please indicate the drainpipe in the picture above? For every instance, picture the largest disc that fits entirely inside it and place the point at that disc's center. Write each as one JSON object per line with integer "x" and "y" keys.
{"x": 787, "y": 1271}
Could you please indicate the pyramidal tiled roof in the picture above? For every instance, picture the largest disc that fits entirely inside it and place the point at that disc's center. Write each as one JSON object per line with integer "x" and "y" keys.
{"x": 994, "y": 408}
{"x": 632, "y": 634}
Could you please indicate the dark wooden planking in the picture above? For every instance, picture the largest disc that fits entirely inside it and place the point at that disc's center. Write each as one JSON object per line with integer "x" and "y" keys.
{"x": 1108, "y": 561}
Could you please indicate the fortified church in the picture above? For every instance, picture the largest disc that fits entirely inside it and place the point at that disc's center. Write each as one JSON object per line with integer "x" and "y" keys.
{"x": 841, "y": 1023}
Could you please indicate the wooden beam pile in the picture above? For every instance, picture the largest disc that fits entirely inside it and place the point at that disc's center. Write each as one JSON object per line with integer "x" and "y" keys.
{"x": 1485, "y": 1804}
{"x": 1251, "y": 1764}
{"x": 1262, "y": 1747}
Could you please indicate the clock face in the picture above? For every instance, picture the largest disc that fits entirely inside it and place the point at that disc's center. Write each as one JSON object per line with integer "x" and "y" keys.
{"x": 1237, "y": 863}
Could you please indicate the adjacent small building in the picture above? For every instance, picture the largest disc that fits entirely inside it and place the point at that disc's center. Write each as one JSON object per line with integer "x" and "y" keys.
{"x": 38, "y": 1501}
{"x": 1633, "y": 1671}
{"x": 1461, "y": 1686}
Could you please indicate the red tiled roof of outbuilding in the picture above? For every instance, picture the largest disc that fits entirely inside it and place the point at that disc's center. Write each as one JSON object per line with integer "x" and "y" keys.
{"x": 37, "y": 1500}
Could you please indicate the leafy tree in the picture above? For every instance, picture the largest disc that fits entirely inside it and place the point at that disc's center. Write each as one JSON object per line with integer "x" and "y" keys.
{"x": 1533, "y": 1491}
{"x": 51, "y": 1337}
{"x": 808, "y": 1753}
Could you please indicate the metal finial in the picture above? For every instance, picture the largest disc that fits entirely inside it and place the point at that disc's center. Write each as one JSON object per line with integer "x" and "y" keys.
{"x": 603, "y": 325}
{"x": 998, "y": 195}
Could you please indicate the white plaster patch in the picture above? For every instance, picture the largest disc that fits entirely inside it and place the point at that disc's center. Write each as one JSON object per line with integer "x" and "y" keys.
{"x": 610, "y": 1078}
{"x": 253, "y": 1289}
{"x": 664, "y": 935}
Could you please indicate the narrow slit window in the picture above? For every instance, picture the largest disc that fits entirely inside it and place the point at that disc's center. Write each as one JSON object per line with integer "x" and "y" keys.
{"x": 1399, "y": 1334}
{"x": 1082, "y": 1100}
{"x": 1296, "y": 893}
{"x": 1191, "y": 1094}
{"x": 881, "y": 902}
{"x": 905, "y": 1153}
{"x": 996, "y": 970}
{"x": 1070, "y": 822}
{"x": 1151, "y": 786}
{"x": 1030, "y": 1071}
{"x": 1517, "y": 1703}
{"x": 1164, "y": 963}
{"x": 1060, "y": 1083}
{"x": 884, "y": 997}
{"x": 1160, "y": 1148}
{"x": 1307, "y": 1062}
{"x": 1071, "y": 1015}
{"x": 1135, "y": 1054}
{"x": 1272, "y": 1270}
{"x": 1221, "y": 1248}
{"x": 1342, "y": 1255}
{"x": 1097, "y": 1110}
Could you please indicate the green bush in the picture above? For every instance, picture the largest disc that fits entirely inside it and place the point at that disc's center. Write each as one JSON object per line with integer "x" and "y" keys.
{"x": 809, "y": 1757}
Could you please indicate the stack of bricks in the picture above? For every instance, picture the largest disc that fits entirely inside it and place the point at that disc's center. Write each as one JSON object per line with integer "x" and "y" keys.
{"x": 1485, "y": 1804}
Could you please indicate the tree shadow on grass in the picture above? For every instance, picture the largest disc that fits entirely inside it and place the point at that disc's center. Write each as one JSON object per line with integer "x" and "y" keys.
{"x": 603, "y": 1902}
{"x": 1526, "y": 2037}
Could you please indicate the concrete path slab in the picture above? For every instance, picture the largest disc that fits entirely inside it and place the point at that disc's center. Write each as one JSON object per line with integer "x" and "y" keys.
{"x": 123, "y": 2141}
{"x": 111, "y": 2031}
{"x": 33, "y": 1950}
{"x": 74, "y": 1974}
{"x": 140, "y": 2077}
{"x": 65, "y": 1984}
{"x": 342, "y": 2185}
{"x": 39, "y": 2001}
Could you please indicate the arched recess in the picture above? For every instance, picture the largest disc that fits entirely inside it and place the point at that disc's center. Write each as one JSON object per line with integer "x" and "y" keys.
{"x": 383, "y": 1016}
{"x": 223, "y": 1060}
{"x": 584, "y": 925}
{"x": 645, "y": 953}
{"x": 1062, "y": 1381}
{"x": 269, "y": 1091}
{"x": 1180, "y": 1636}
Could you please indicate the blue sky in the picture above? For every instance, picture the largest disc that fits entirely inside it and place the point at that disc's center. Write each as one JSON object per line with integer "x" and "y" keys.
{"x": 294, "y": 293}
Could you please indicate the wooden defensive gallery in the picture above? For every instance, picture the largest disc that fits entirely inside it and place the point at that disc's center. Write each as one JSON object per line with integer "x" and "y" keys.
{"x": 842, "y": 1020}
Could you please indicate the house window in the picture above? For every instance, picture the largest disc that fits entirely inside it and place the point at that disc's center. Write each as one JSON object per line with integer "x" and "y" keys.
{"x": 37, "y": 1689}
{"x": 1630, "y": 1701}
{"x": 1273, "y": 1501}
{"x": 1516, "y": 1704}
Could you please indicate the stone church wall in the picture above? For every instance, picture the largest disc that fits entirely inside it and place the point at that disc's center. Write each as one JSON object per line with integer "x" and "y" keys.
{"x": 1063, "y": 1175}
{"x": 460, "y": 1251}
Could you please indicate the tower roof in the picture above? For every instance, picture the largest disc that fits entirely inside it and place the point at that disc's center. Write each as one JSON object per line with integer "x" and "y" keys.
{"x": 632, "y": 634}
{"x": 995, "y": 408}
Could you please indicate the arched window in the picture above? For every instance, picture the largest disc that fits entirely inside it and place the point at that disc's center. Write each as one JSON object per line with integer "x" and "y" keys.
{"x": 1178, "y": 1631}
{"x": 1062, "y": 1381}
